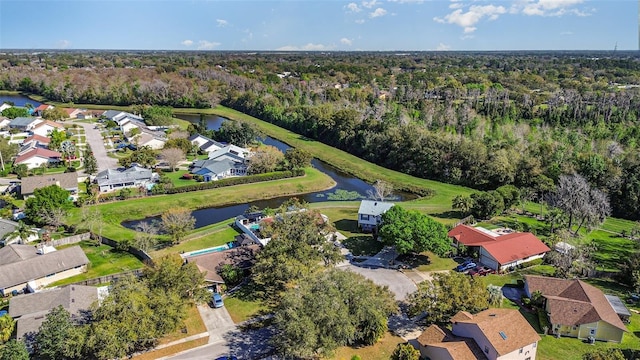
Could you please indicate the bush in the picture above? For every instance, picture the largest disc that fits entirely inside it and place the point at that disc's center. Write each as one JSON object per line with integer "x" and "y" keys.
{"x": 531, "y": 263}
{"x": 236, "y": 181}
{"x": 187, "y": 176}
{"x": 543, "y": 320}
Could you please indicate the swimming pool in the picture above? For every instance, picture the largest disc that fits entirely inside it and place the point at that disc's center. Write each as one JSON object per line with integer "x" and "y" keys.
{"x": 208, "y": 250}
{"x": 255, "y": 227}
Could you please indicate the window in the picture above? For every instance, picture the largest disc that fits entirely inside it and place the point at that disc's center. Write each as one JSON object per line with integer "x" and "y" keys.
{"x": 364, "y": 217}
{"x": 520, "y": 352}
{"x": 529, "y": 358}
{"x": 50, "y": 275}
{"x": 575, "y": 327}
{"x": 486, "y": 349}
{"x": 592, "y": 332}
{"x": 535, "y": 344}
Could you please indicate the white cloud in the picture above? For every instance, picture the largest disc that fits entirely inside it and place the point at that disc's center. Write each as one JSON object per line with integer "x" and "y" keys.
{"x": 443, "y": 47}
{"x": 207, "y": 45}
{"x": 360, "y": 21}
{"x": 353, "y": 7}
{"x": 187, "y": 42}
{"x": 370, "y": 4}
{"x": 346, "y": 41}
{"x": 222, "y": 22}
{"x": 550, "y": 8}
{"x": 474, "y": 14}
{"x": 378, "y": 13}
{"x": 63, "y": 44}
{"x": 307, "y": 47}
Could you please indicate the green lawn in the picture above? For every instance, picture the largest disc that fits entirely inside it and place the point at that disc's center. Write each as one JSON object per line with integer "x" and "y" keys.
{"x": 176, "y": 178}
{"x": 201, "y": 239}
{"x": 381, "y": 350}
{"x": 244, "y": 304}
{"x": 550, "y": 348}
{"x": 114, "y": 213}
{"x": 104, "y": 260}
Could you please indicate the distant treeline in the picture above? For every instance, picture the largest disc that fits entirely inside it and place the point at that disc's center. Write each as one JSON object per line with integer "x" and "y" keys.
{"x": 482, "y": 120}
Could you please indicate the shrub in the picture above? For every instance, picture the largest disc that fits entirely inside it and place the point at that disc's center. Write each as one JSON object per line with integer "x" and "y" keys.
{"x": 236, "y": 181}
{"x": 187, "y": 176}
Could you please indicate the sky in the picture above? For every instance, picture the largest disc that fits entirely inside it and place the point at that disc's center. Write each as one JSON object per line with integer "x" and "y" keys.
{"x": 320, "y": 25}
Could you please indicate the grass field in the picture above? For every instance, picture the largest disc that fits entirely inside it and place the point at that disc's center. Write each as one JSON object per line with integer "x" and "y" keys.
{"x": 244, "y": 304}
{"x": 104, "y": 260}
{"x": 177, "y": 180}
{"x": 382, "y": 350}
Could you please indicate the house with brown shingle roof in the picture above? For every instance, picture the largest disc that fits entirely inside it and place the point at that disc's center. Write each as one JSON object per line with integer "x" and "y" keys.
{"x": 499, "y": 251}
{"x": 577, "y": 309}
{"x": 67, "y": 181}
{"x": 491, "y": 334}
{"x": 209, "y": 263}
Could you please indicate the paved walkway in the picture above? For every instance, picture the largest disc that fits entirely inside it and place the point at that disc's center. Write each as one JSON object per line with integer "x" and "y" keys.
{"x": 94, "y": 138}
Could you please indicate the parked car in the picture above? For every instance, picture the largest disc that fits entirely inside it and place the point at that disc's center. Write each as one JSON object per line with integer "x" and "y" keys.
{"x": 230, "y": 357}
{"x": 3, "y": 312}
{"x": 478, "y": 270}
{"x": 464, "y": 267}
{"x": 216, "y": 299}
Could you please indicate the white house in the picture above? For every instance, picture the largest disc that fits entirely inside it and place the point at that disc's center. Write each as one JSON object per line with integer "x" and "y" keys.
{"x": 153, "y": 141}
{"x": 4, "y": 106}
{"x": 230, "y": 149}
{"x": 38, "y": 156}
{"x": 370, "y": 214}
{"x": 205, "y": 144}
{"x": 46, "y": 127}
{"x": 133, "y": 177}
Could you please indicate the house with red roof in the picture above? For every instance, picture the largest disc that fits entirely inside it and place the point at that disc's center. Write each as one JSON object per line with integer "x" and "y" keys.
{"x": 40, "y": 109}
{"x": 72, "y": 113}
{"x": 38, "y": 156}
{"x": 46, "y": 127}
{"x": 577, "y": 309}
{"x": 499, "y": 251}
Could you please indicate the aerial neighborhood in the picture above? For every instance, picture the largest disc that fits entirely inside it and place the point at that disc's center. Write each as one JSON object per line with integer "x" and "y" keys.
{"x": 188, "y": 205}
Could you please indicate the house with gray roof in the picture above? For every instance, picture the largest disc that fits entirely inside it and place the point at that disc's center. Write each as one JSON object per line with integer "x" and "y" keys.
{"x": 370, "y": 214}
{"x": 7, "y": 227}
{"x": 205, "y": 144}
{"x": 24, "y": 123}
{"x": 133, "y": 177}
{"x": 220, "y": 168}
{"x": 30, "y": 310}
{"x": 24, "y": 266}
{"x": 67, "y": 181}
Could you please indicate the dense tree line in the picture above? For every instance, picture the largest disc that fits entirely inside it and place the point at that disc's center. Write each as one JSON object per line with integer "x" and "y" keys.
{"x": 479, "y": 119}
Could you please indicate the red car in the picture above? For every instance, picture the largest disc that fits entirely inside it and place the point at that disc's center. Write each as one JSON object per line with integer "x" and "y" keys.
{"x": 478, "y": 270}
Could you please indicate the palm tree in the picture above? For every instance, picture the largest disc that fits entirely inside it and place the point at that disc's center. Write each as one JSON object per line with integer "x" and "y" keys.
{"x": 23, "y": 231}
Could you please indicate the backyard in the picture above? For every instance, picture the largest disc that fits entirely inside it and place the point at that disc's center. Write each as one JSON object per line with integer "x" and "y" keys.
{"x": 104, "y": 260}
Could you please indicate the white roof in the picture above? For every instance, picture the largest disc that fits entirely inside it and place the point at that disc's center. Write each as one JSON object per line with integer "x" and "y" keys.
{"x": 372, "y": 207}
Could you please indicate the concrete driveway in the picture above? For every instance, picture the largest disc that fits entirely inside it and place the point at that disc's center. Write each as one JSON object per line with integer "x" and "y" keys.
{"x": 218, "y": 322}
{"x": 398, "y": 283}
{"x": 94, "y": 139}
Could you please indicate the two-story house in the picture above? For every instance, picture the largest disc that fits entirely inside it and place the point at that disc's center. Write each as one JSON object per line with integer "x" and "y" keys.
{"x": 493, "y": 334}
{"x": 370, "y": 214}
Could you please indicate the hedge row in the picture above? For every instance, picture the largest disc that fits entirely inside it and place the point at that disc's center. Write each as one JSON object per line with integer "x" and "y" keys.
{"x": 236, "y": 181}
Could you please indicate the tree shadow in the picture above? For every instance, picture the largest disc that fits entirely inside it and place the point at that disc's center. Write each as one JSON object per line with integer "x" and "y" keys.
{"x": 414, "y": 260}
{"x": 346, "y": 225}
{"x": 448, "y": 215}
{"x": 250, "y": 344}
{"x": 364, "y": 245}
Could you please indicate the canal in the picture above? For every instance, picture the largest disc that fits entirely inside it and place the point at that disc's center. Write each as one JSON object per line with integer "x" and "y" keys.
{"x": 347, "y": 187}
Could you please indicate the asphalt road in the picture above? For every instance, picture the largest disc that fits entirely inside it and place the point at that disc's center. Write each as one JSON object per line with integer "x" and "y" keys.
{"x": 398, "y": 283}
{"x": 94, "y": 139}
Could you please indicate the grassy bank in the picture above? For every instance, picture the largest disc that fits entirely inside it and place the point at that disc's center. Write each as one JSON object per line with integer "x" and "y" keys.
{"x": 113, "y": 214}
{"x": 342, "y": 160}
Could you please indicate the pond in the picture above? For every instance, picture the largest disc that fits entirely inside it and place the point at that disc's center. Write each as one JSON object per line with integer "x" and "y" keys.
{"x": 19, "y": 100}
{"x": 347, "y": 188}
